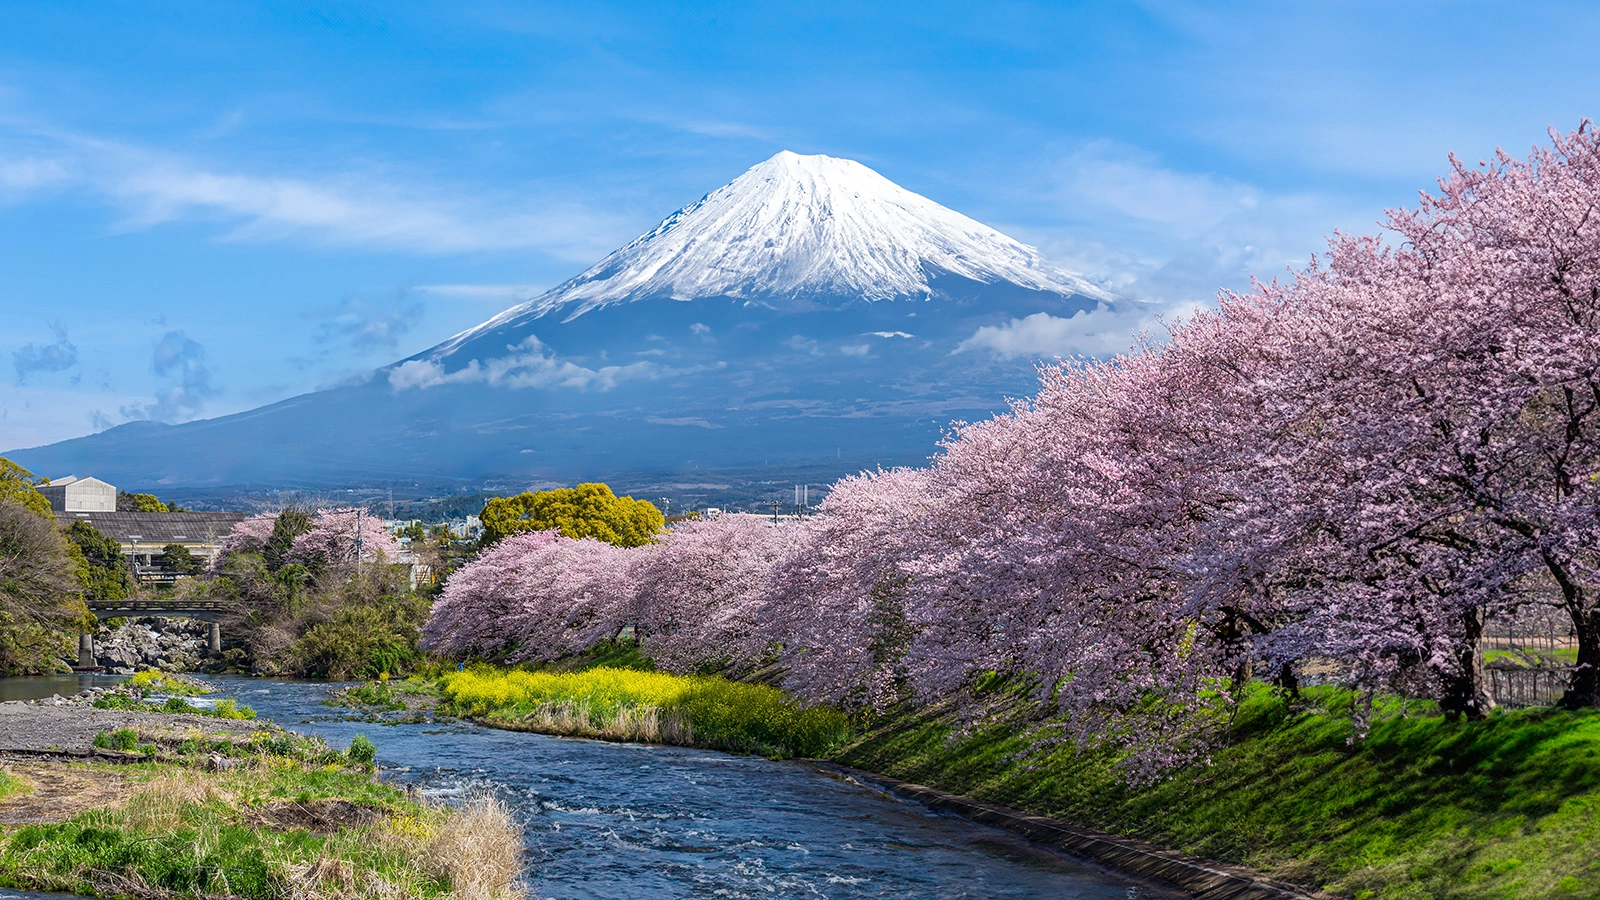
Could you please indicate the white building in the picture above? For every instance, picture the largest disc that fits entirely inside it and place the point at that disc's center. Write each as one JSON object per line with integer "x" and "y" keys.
{"x": 74, "y": 495}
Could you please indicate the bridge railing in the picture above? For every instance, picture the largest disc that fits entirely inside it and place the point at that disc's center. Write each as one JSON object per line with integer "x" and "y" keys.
{"x": 133, "y": 607}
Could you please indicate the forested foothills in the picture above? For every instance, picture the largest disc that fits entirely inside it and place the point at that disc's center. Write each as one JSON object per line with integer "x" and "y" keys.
{"x": 1347, "y": 472}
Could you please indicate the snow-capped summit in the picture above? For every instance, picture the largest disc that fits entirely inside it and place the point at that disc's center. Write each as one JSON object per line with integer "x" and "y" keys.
{"x": 795, "y": 231}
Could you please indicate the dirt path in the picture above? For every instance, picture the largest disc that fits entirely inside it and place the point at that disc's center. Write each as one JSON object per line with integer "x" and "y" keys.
{"x": 60, "y": 789}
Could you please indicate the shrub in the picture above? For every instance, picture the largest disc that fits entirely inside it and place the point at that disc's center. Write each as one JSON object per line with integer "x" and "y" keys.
{"x": 362, "y": 750}
{"x": 124, "y": 739}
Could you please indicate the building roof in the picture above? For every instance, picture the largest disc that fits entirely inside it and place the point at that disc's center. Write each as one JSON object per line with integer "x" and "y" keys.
{"x": 162, "y": 528}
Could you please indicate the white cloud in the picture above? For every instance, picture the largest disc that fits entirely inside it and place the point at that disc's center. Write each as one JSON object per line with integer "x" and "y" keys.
{"x": 533, "y": 365}
{"x": 1102, "y": 331}
{"x": 855, "y": 349}
{"x": 889, "y": 334}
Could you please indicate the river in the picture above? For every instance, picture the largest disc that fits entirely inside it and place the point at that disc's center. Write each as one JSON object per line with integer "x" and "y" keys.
{"x": 638, "y": 822}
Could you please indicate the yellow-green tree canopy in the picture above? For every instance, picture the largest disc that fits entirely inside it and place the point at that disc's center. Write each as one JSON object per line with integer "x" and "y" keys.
{"x": 127, "y": 502}
{"x": 588, "y": 510}
{"x": 17, "y": 484}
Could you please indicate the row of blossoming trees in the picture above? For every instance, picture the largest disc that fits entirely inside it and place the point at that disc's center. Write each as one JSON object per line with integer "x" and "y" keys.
{"x": 1356, "y": 468}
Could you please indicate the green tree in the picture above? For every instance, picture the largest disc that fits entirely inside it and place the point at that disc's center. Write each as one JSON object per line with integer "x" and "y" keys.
{"x": 177, "y": 558}
{"x": 127, "y": 502}
{"x": 588, "y": 510}
{"x": 104, "y": 569}
{"x": 41, "y": 604}
{"x": 290, "y": 524}
{"x": 17, "y": 484}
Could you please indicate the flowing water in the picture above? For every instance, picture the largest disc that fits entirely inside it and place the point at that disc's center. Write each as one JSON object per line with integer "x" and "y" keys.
{"x": 40, "y": 687}
{"x": 637, "y": 822}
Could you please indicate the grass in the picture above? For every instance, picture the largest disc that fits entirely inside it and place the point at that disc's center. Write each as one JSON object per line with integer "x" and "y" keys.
{"x": 627, "y": 704}
{"x": 11, "y": 785}
{"x": 155, "y": 681}
{"x": 612, "y": 654}
{"x": 275, "y": 827}
{"x": 378, "y": 696}
{"x": 1508, "y": 807}
{"x": 1561, "y": 656}
{"x": 226, "y": 708}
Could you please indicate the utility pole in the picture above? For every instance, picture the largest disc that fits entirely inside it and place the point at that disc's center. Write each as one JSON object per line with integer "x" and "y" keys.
{"x": 360, "y": 511}
{"x": 775, "y": 505}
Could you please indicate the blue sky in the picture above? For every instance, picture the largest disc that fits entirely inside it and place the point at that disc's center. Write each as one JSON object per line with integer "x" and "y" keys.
{"x": 204, "y": 208}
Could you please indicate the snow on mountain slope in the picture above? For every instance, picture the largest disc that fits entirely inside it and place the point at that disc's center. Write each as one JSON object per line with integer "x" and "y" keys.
{"x": 793, "y": 230}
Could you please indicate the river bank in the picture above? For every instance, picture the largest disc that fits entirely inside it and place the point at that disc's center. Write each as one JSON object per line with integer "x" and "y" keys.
{"x": 622, "y": 820}
{"x": 205, "y": 807}
{"x": 1422, "y": 807}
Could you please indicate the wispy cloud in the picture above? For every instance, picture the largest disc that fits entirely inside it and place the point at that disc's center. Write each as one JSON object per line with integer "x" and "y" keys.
{"x": 533, "y": 365}
{"x": 1172, "y": 237}
{"x": 181, "y": 361}
{"x": 495, "y": 292}
{"x": 56, "y": 356}
{"x": 684, "y": 421}
{"x": 344, "y": 209}
{"x": 369, "y": 325}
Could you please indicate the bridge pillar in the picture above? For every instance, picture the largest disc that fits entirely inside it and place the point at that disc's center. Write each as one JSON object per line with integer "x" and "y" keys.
{"x": 86, "y": 650}
{"x": 214, "y": 639}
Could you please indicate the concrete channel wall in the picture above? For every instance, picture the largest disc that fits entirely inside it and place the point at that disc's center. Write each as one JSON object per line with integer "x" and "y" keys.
{"x": 1202, "y": 878}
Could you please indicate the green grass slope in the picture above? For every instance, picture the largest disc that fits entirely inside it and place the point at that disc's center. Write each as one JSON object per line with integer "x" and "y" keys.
{"x": 1423, "y": 807}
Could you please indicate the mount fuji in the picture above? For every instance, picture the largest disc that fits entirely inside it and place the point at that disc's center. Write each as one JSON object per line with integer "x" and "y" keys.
{"x": 810, "y": 311}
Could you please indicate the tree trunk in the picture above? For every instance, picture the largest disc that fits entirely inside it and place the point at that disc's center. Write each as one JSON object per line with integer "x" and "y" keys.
{"x": 1288, "y": 681}
{"x": 1464, "y": 691}
{"x": 1584, "y": 689}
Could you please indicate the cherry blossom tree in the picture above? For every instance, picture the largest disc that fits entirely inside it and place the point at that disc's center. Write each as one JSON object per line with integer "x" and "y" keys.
{"x": 534, "y": 596}
{"x": 701, "y": 593}
{"x": 250, "y": 535}
{"x": 838, "y": 601}
{"x": 345, "y": 535}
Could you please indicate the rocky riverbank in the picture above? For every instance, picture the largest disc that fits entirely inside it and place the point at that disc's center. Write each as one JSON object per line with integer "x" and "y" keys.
{"x": 68, "y": 725}
{"x": 151, "y": 642}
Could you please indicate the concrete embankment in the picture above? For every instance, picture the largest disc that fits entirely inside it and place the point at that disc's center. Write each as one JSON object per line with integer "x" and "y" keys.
{"x": 1204, "y": 879}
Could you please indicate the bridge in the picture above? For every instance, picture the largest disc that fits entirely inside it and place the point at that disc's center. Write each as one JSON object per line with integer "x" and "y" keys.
{"x": 209, "y": 611}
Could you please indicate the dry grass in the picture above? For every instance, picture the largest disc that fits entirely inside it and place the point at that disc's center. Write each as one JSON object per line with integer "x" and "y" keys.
{"x": 479, "y": 848}
{"x": 269, "y": 831}
{"x": 159, "y": 805}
